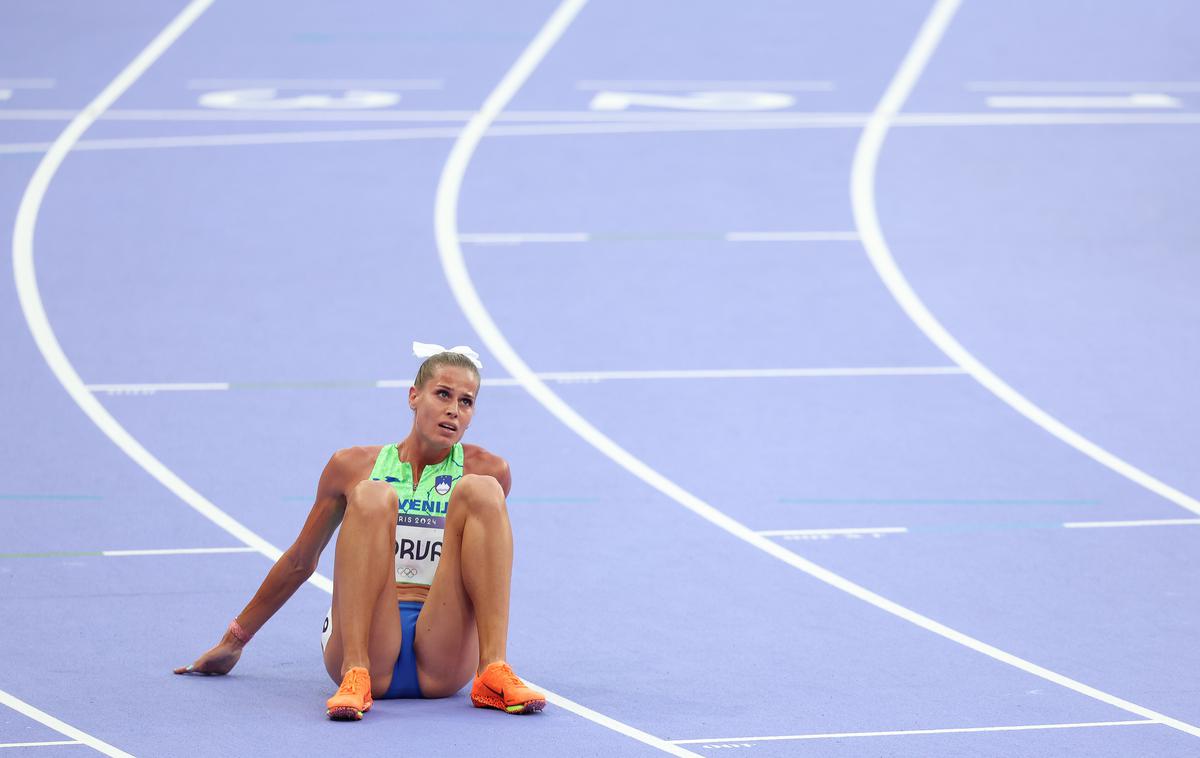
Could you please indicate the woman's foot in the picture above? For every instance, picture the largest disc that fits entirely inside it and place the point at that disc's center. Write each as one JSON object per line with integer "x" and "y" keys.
{"x": 498, "y": 687}
{"x": 353, "y": 698}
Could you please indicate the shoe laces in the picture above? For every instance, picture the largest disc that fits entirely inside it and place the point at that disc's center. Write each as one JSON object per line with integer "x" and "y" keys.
{"x": 350, "y": 683}
{"x": 507, "y": 675}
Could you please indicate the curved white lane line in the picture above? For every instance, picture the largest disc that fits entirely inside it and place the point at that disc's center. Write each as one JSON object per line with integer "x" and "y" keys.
{"x": 454, "y": 265}
{"x": 20, "y": 706}
{"x": 35, "y": 312}
{"x": 862, "y": 197}
{"x": 446, "y": 229}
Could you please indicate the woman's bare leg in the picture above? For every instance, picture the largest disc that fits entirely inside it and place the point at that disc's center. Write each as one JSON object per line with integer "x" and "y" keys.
{"x": 464, "y": 624}
{"x": 366, "y": 624}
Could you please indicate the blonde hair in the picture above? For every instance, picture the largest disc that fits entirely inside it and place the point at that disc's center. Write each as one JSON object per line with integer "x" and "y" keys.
{"x": 434, "y": 362}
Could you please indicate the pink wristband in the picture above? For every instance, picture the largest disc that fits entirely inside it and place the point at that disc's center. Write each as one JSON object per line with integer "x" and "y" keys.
{"x": 237, "y": 631}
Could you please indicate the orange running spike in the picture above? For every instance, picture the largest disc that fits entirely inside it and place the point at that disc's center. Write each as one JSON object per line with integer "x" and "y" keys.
{"x": 353, "y": 698}
{"x": 498, "y": 687}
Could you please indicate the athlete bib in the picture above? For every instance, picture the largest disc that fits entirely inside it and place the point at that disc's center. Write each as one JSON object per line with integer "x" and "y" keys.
{"x": 421, "y": 519}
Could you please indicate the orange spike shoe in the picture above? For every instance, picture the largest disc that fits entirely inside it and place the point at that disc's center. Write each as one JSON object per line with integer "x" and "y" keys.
{"x": 353, "y": 698}
{"x": 498, "y": 687}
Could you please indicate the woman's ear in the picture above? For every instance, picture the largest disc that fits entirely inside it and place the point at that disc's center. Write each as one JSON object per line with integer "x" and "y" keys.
{"x": 412, "y": 398}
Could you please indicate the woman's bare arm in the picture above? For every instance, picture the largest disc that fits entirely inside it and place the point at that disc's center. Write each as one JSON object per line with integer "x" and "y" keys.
{"x": 296, "y": 564}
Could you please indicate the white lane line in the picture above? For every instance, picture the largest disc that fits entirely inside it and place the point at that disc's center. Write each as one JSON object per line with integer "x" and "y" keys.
{"x": 791, "y": 237}
{"x": 862, "y": 193}
{"x": 517, "y": 238}
{"x": 63, "y": 728}
{"x": 567, "y": 130}
{"x": 39, "y": 744}
{"x": 159, "y": 387}
{"x": 1083, "y": 101}
{"x": 541, "y": 123}
{"x": 393, "y": 84}
{"x": 1144, "y": 522}
{"x": 347, "y": 136}
{"x": 568, "y": 377}
{"x": 236, "y": 140}
{"x": 973, "y": 527}
{"x": 39, "y": 323}
{"x": 1115, "y": 118}
{"x": 685, "y": 85}
{"x": 177, "y": 551}
{"x": 905, "y": 732}
{"x": 837, "y": 530}
{"x": 1070, "y": 87}
{"x": 459, "y": 279}
{"x": 446, "y": 232}
{"x": 606, "y": 721}
{"x": 572, "y": 377}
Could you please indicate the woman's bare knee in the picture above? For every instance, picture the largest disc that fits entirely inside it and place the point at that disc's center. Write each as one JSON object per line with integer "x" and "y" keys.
{"x": 482, "y": 494}
{"x": 445, "y": 686}
{"x": 372, "y": 498}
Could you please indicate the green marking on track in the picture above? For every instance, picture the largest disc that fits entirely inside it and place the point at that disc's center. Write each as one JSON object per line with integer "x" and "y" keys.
{"x": 56, "y": 554}
{"x": 933, "y": 501}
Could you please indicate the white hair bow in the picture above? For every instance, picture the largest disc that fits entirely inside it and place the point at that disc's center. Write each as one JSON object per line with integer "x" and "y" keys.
{"x": 427, "y": 349}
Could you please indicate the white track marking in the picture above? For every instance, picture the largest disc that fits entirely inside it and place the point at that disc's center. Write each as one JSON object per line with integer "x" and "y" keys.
{"x": 791, "y": 237}
{"x": 35, "y": 312}
{"x": 959, "y": 730}
{"x": 1143, "y": 522}
{"x": 571, "y": 377}
{"x": 650, "y": 119}
{"x": 581, "y": 710}
{"x": 1083, "y": 101}
{"x": 1068, "y": 87}
{"x": 516, "y": 238}
{"x": 39, "y": 744}
{"x": 39, "y": 325}
{"x": 392, "y": 84}
{"x": 1044, "y": 119}
{"x": 905, "y": 529}
{"x": 548, "y": 130}
{"x": 837, "y": 530}
{"x": 862, "y": 192}
{"x": 178, "y": 551}
{"x": 459, "y": 279}
{"x": 577, "y": 377}
{"x": 271, "y": 138}
{"x": 40, "y": 716}
{"x": 160, "y": 387}
{"x": 446, "y": 229}
{"x": 685, "y": 85}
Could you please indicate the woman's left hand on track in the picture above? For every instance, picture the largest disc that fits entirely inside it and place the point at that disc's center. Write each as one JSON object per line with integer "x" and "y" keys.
{"x": 219, "y": 660}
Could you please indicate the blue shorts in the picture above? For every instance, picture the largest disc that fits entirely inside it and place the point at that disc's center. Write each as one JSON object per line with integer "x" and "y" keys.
{"x": 404, "y": 673}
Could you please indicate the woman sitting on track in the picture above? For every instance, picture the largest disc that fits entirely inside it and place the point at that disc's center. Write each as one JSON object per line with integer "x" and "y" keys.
{"x": 450, "y": 552}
